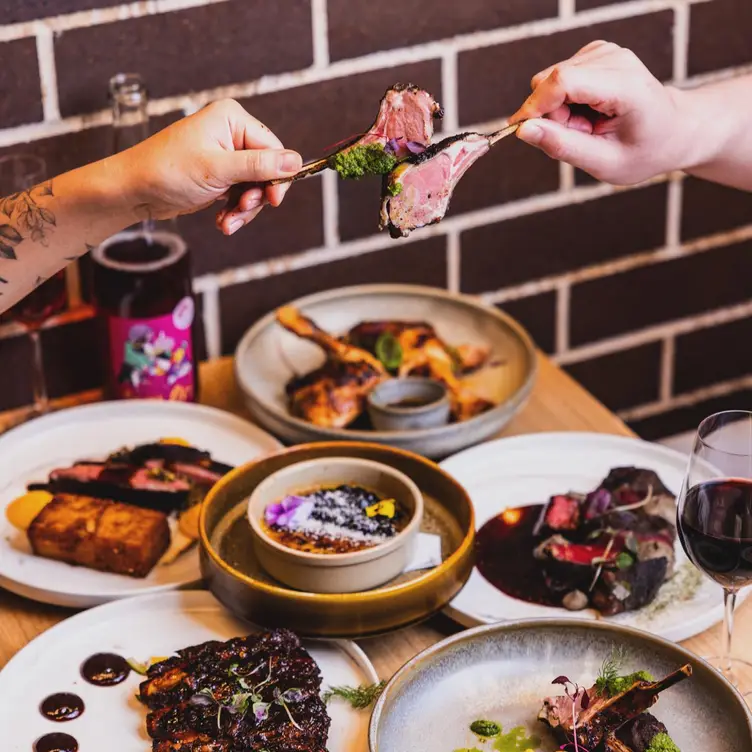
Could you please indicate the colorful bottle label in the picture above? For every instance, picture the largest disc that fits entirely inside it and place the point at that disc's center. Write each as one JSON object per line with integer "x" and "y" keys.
{"x": 153, "y": 358}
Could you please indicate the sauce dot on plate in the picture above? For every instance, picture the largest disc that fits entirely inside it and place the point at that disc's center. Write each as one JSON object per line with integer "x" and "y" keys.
{"x": 62, "y": 706}
{"x": 56, "y": 743}
{"x": 105, "y": 669}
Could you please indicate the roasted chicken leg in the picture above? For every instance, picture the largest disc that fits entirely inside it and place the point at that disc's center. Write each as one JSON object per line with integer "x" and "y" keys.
{"x": 332, "y": 396}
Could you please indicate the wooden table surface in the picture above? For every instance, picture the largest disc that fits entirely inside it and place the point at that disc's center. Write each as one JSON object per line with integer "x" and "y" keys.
{"x": 557, "y": 404}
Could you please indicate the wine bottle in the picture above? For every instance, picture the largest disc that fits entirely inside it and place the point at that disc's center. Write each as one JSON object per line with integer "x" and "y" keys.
{"x": 142, "y": 285}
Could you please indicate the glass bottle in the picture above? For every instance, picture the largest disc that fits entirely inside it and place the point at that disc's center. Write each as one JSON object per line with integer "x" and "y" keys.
{"x": 141, "y": 284}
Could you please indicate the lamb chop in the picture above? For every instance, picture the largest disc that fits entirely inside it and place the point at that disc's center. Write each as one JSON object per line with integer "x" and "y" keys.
{"x": 334, "y": 395}
{"x": 403, "y": 126}
{"x": 416, "y": 193}
{"x": 247, "y": 694}
{"x": 602, "y": 717}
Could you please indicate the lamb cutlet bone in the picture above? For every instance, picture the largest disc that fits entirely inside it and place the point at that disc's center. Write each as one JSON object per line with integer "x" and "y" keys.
{"x": 416, "y": 193}
{"x": 603, "y": 716}
{"x": 406, "y": 114}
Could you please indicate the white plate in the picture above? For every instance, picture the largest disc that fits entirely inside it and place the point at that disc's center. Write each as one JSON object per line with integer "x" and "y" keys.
{"x": 529, "y": 470}
{"x": 30, "y": 452}
{"x": 113, "y": 720}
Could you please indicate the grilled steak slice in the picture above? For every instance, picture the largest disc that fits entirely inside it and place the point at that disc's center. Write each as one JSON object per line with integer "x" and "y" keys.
{"x": 247, "y": 694}
{"x": 416, "y": 193}
{"x": 561, "y": 514}
{"x": 604, "y": 716}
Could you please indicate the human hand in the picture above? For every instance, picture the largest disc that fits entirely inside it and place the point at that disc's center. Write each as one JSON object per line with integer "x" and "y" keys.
{"x": 192, "y": 163}
{"x": 633, "y": 130}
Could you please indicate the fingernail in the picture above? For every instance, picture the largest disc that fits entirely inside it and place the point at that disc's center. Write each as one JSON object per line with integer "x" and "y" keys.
{"x": 235, "y": 225}
{"x": 290, "y": 161}
{"x": 531, "y": 133}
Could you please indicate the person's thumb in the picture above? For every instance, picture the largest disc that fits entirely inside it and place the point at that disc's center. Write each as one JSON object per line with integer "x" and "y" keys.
{"x": 589, "y": 152}
{"x": 258, "y": 165}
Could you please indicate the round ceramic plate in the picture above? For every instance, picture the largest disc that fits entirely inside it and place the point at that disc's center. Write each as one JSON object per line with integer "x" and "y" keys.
{"x": 530, "y": 469}
{"x": 140, "y": 628}
{"x": 234, "y": 575}
{"x": 268, "y": 356}
{"x": 30, "y": 452}
{"x": 502, "y": 672}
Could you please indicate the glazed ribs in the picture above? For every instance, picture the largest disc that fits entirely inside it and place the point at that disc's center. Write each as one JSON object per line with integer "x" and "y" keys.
{"x": 261, "y": 692}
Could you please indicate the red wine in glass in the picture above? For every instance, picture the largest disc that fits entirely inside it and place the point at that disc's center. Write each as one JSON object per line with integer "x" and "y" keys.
{"x": 715, "y": 528}
{"x": 714, "y": 517}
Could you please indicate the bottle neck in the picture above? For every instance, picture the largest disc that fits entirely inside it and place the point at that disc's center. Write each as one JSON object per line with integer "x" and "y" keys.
{"x": 130, "y": 113}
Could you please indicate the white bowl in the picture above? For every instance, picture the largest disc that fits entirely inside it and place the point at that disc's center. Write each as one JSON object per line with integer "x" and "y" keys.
{"x": 335, "y": 573}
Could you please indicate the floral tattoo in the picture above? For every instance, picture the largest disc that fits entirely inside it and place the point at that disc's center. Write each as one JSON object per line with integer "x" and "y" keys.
{"x": 29, "y": 219}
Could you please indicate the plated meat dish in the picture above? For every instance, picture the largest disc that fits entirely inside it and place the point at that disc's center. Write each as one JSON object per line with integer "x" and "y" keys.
{"x": 261, "y": 692}
{"x": 610, "y": 549}
{"x": 123, "y": 514}
{"x": 611, "y": 716}
{"x": 334, "y": 395}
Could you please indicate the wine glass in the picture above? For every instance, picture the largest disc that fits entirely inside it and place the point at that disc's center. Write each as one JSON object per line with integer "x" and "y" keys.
{"x": 714, "y": 516}
{"x": 20, "y": 172}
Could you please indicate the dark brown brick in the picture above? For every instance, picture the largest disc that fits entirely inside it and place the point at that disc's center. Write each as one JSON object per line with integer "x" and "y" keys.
{"x": 184, "y": 51}
{"x": 292, "y": 227}
{"x": 708, "y": 208}
{"x": 15, "y": 376}
{"x": 708, "y": 356}
{"x": 622, "y": 379}
{"x": 63, "y": 153}
{"x": 357, "y": 27}
{"x": 422, "y": 262}
{"x": 684, "y": 419}
{"x": 20, "y": 88}
{"x": 509, "y": 172}
{"x": 660, "y": 292}
{"x": 313, "y": 118}
{"x": 719, "y": 34}
{"x": 73, "y": 358}
{"x": 494, "y": 81}
{"x": 537, "y": 313}
{"x": 15, "y": 11}
{"x": 564, "y": 239}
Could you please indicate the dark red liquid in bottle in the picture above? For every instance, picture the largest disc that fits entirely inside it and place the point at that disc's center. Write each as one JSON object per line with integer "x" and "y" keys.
{"x": 142, "y": 290}
{"x": 715, "y": 528}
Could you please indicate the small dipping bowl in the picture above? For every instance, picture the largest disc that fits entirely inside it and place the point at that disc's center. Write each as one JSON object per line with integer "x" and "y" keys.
{"x": 335, "y": 573}
{"x": 408, "y": 404}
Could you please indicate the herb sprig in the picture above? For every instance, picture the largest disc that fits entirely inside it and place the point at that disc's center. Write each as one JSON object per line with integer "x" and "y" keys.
{"x": 359, "y": 698}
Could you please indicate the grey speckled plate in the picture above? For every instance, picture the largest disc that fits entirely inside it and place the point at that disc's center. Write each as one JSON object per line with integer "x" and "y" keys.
{"x": 501, "y": 672}
{"x": 268, "y": 357}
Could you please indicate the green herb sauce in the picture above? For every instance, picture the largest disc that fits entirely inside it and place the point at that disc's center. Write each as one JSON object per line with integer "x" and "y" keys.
{"x": 485, "y": 728}
{"x": 394, "y": 189}
{"x": 613, "y": 686}
{"x": 361, "y": 160}
{"x": 662, "y": 743}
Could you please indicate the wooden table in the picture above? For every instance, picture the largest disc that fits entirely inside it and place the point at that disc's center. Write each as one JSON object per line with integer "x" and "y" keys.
{"x": 557, "y": 404}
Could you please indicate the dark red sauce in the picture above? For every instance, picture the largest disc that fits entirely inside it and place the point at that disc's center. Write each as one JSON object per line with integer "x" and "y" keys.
{"x": 56, "y": 743}
{"x": 504, "y": 556}
{"x": 105, "y": 669}
{"x": 62, "y": 706}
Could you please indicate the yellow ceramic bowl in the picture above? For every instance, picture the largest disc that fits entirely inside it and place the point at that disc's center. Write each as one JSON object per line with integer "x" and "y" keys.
{"x": 233, "y": 573}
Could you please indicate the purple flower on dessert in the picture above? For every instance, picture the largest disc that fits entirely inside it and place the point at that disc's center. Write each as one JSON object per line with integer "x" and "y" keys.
{"x": 291, "y": 511}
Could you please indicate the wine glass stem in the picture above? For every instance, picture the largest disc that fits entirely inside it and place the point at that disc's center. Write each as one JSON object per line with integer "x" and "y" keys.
{"x": 729, "y": 604}
{"x": 39, "y": 383}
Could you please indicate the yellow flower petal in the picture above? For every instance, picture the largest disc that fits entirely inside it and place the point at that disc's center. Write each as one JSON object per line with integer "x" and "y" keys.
{"x": 384, "y": 508}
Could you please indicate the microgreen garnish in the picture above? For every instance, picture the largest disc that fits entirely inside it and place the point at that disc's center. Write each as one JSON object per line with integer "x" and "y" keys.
{"x": 574, "y": 694}
{"x": 359, "y": 697}
{"x": 279, "y": 698}
{"x": 624, "y": 560}
{"x": 389, "y": 351}
{"x": 610, "y": 669}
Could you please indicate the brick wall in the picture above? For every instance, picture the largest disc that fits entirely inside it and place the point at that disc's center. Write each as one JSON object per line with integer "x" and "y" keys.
{"x": 643, "y": 294}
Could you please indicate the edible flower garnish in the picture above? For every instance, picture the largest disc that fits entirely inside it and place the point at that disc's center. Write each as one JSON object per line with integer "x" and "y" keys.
{"x": 384, "y": 508}
{"x": 291, "y": 511}
{"x": 399, "y": 146}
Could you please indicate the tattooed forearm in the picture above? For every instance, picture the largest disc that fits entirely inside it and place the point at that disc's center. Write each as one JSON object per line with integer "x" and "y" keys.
{"x": 29, "y": 218}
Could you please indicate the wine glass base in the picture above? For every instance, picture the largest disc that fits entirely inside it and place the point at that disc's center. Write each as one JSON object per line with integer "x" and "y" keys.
{"x": 737, "y": 671}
